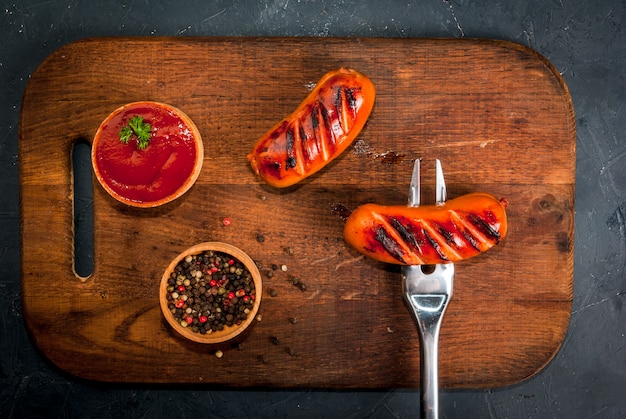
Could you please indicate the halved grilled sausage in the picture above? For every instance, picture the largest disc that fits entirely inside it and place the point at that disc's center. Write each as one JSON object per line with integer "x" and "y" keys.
{"x": 319, "y": 130}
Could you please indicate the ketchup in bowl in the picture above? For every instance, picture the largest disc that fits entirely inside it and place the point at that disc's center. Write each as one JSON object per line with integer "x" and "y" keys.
{"x": 152, "y": 173}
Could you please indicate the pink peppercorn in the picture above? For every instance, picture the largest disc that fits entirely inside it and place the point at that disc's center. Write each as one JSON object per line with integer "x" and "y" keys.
{"x": 220, "y": 273}
{"x": 226, "y": 221}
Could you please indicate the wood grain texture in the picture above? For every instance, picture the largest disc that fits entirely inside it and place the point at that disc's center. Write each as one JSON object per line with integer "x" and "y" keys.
{"x": 497, "y": 114}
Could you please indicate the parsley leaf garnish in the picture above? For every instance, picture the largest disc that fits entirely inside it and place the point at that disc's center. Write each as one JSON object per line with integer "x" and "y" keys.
{"x": 125, "y": 134}
{"x": 139, "y": 128}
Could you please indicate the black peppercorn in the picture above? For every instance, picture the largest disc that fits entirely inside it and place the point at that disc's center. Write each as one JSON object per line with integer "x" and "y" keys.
{"x": 210, "y": 291}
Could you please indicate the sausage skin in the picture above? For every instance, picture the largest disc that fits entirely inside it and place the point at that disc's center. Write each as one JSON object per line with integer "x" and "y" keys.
{"x": 320, "y": 129}
{"x": 455, "y": 230}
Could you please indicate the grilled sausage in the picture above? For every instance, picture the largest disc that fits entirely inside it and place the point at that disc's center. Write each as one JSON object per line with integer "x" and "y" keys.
{"x": 319, "y": 130}
{"x": 455, "y": 230}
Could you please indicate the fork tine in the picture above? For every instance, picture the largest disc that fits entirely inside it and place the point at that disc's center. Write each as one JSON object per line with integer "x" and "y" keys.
{"x": 440, "y": 185}
{"x": 414, "y": 189}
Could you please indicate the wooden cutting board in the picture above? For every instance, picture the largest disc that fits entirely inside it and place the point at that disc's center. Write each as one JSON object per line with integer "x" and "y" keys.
{"x": 497, "y": 114}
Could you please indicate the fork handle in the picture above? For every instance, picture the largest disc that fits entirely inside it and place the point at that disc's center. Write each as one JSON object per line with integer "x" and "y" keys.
{"x": 428, "y": 311}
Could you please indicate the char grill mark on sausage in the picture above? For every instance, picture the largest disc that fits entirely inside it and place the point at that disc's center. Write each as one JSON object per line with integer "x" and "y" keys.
{"x": 315, "y": 114}
{"x": 308, "y": 153}
{"x": 351, "y": 97}
{"x": 303, "y": 136}
{"x": 475, "y": 230}
{"x": 341, "y": 113}
{"x": 446, "y": 234}
{"x": 315, "y": 123}
{"x": 389, "y": 244}
{"x": 291, "y": 155}
{"x": 484, "y": 228}
{"x": 406, "y": 235}
{"x": 435, "y": 245}
{"x": 319, "y": 131}
{"x": 339, "y": 91}
{"x": 326, "y": 127}
{"x": 344, "y": 108}
{"x": 470, "y": 239}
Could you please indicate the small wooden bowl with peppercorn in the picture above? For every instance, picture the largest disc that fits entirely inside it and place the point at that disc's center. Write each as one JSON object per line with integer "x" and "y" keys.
{"x": 211, "y": 292}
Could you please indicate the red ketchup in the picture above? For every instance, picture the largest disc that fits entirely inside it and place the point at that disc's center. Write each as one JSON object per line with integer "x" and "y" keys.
{"x": 157, "y": 173}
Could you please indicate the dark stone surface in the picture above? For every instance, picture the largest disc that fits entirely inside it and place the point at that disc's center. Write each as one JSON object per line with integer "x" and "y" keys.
{"x": 585, "y": 42}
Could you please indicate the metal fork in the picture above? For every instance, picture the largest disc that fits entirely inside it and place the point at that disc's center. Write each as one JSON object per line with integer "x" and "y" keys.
{"x": 427, "y": 289}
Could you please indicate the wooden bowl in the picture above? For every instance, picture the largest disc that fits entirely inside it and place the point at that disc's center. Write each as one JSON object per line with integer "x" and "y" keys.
{"x": 228, "y": 332}
{"x": 154, "y": 175}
